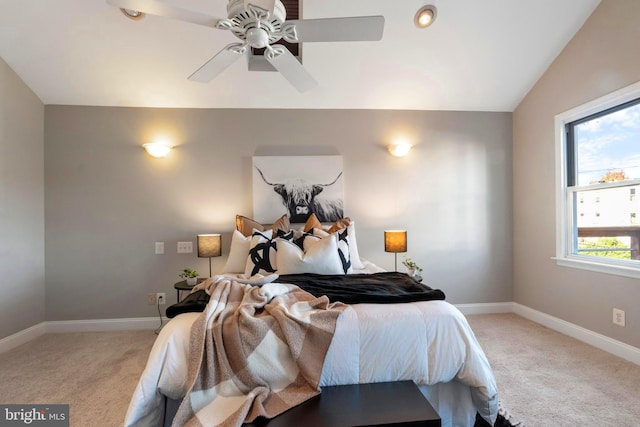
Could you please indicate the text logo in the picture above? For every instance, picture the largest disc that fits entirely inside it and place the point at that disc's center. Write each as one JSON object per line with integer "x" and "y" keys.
{"x": 34, "y": 415}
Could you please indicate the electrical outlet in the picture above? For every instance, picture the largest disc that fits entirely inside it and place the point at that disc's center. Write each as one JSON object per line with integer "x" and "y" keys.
{"x": 162, "y": 298}
{"x": 185, "y": 247}
{"x": 618, "y": 317}
{"x": 151, "y": 299}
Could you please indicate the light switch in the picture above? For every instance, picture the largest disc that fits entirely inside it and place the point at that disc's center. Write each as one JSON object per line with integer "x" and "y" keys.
{"x": 159, "y": 248}
{"x": 185, "y": 247}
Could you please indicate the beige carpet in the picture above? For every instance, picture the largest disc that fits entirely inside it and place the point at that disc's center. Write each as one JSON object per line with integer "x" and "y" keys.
{"x": 548, "y": 379}
{"x": 545, "y": 378}
{"x": 95, "y": 373}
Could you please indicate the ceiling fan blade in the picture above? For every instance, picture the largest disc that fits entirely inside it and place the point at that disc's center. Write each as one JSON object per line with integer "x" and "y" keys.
{"x": 267, "y": 5}
{"x": 158, "y": 8}
{"x": 220, "y": 62}
{"x": 357, "y": 28}
{"x": 287, "y": 64}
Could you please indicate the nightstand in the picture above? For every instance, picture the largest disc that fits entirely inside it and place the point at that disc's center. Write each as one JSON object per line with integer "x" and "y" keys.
{"x": 182, "y": 286}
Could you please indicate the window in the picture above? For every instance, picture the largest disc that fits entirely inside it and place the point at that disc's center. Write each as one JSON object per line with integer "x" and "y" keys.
{"x": 597, "y": 175}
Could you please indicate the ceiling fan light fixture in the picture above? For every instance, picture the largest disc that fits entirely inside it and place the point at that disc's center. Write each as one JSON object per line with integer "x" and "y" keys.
{"x": 257, "y": 37}
{"x": 425, "y": 16}
{"x": 132, "y": 14}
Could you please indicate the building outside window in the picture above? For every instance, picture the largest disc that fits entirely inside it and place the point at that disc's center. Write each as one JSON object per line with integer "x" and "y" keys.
{"x": 597, "y": 175}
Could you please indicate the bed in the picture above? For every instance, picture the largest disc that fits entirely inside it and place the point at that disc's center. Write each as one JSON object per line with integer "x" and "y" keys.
{"x": 428, "y": 341}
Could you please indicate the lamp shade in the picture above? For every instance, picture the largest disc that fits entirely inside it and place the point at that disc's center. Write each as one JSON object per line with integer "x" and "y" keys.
{"x": 395, "y": 241}
{"x": 209, "y": 245}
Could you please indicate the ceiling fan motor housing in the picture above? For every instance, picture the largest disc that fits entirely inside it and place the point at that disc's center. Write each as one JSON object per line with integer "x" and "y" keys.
{"x": 256, "y": 26}
{"x": 257, "y": 37}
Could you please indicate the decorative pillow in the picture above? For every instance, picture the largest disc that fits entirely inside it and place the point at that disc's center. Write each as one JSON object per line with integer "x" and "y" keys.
{"x": 354, "y": 255}
{"x": 339, "y": 225}
{"x": 321, "y": 257}
{"x": 237, "y": 260}
{"x": 286, "y": 235}
{"x": 320, "y": 232}
{"x": 353, "y": 247}
{"x": 247, "y": 225}
{"x": 312, "y": 222}
{"x": 304, "y": 240}
{"x": 262, "y": 254}
{"x": 343, "y": 250}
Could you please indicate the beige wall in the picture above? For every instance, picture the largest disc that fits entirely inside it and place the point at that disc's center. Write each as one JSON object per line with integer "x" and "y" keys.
{"x": 602, "y": 57}
{"x": 107, "y": 202}
{"x": 21, "y": 205}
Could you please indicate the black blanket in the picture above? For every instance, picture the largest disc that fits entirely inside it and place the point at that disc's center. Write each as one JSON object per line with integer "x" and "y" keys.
{"x": 377, "y": 288}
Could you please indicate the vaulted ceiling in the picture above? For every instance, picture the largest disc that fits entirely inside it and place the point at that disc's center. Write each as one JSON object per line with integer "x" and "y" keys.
{"x": 477, "y": 56}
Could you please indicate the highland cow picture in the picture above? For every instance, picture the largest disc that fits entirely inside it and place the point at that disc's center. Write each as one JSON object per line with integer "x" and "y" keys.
{"x": 297, "y": 186}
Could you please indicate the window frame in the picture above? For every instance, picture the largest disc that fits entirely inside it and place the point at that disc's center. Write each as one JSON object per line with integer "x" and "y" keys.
{"x": 564, "y": 195}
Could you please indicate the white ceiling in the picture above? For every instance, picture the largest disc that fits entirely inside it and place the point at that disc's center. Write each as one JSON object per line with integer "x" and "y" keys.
{"x": 477, "y": 56}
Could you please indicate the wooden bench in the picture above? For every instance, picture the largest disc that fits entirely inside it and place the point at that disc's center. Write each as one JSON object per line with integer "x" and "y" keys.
{"x": 381, "y": 404}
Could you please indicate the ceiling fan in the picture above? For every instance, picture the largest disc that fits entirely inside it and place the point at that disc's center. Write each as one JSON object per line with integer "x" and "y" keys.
{"x": 259, "y": 24}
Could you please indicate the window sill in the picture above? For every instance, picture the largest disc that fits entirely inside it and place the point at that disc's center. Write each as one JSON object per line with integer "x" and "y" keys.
{"x": 617, "y": 270}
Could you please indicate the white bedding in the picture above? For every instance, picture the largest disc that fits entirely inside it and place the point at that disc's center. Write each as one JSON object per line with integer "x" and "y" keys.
{"x": 429, "y": 342}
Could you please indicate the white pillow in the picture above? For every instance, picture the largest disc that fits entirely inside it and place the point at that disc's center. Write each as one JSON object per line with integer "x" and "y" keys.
{"x": 237, "y": 260}
{"x": 343, "y": 250}
{"x": 321, "y": 257}
{"x": 304, "y": 240}
{"x": 261, "y": 258}
{"x": 320, "y": 232}
{"x": 356, "y": 263}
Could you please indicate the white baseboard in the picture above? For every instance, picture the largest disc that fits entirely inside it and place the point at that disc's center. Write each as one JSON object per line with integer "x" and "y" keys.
{"x": 485, "y": 308}
{"x": 102, "y": 325}
{"x": 65, "y": 326}
{"x": 620, "y": 349}
{"x": 22, "y": 337}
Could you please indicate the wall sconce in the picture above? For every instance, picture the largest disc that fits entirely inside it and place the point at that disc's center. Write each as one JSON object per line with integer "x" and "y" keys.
{"x": 132, "y": 14}
{"x": 425, "y": 16}
{"x": 395, "y": 241}
{"x": 157, "y": 149}
{"x": 209, "y": 246}
{"x": 399, "y": 149}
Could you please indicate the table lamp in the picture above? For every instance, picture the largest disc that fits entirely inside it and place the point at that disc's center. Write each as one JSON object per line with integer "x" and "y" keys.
{"x": 395, "y": 241}
{"x": 209, "y": 245}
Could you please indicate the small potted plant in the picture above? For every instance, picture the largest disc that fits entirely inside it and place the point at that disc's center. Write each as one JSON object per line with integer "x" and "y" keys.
{"x": 190, "y": 275}
{"x": 413, "y": 269}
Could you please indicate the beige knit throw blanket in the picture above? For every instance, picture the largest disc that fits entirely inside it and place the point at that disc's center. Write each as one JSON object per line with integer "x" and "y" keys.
{"x": 255, "y": 351}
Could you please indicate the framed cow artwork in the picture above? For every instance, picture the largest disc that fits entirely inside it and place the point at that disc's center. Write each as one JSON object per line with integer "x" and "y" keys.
{"x": 297, "y": 186}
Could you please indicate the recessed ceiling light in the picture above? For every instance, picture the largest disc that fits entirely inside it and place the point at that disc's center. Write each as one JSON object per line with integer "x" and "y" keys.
{"x": 132, "y": 14}
{"x": 425, "y": 16}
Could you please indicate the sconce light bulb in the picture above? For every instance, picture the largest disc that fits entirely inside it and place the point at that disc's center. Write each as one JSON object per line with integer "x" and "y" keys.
{"x": 156, "y": 149}
{"x": 399, "y": 149}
